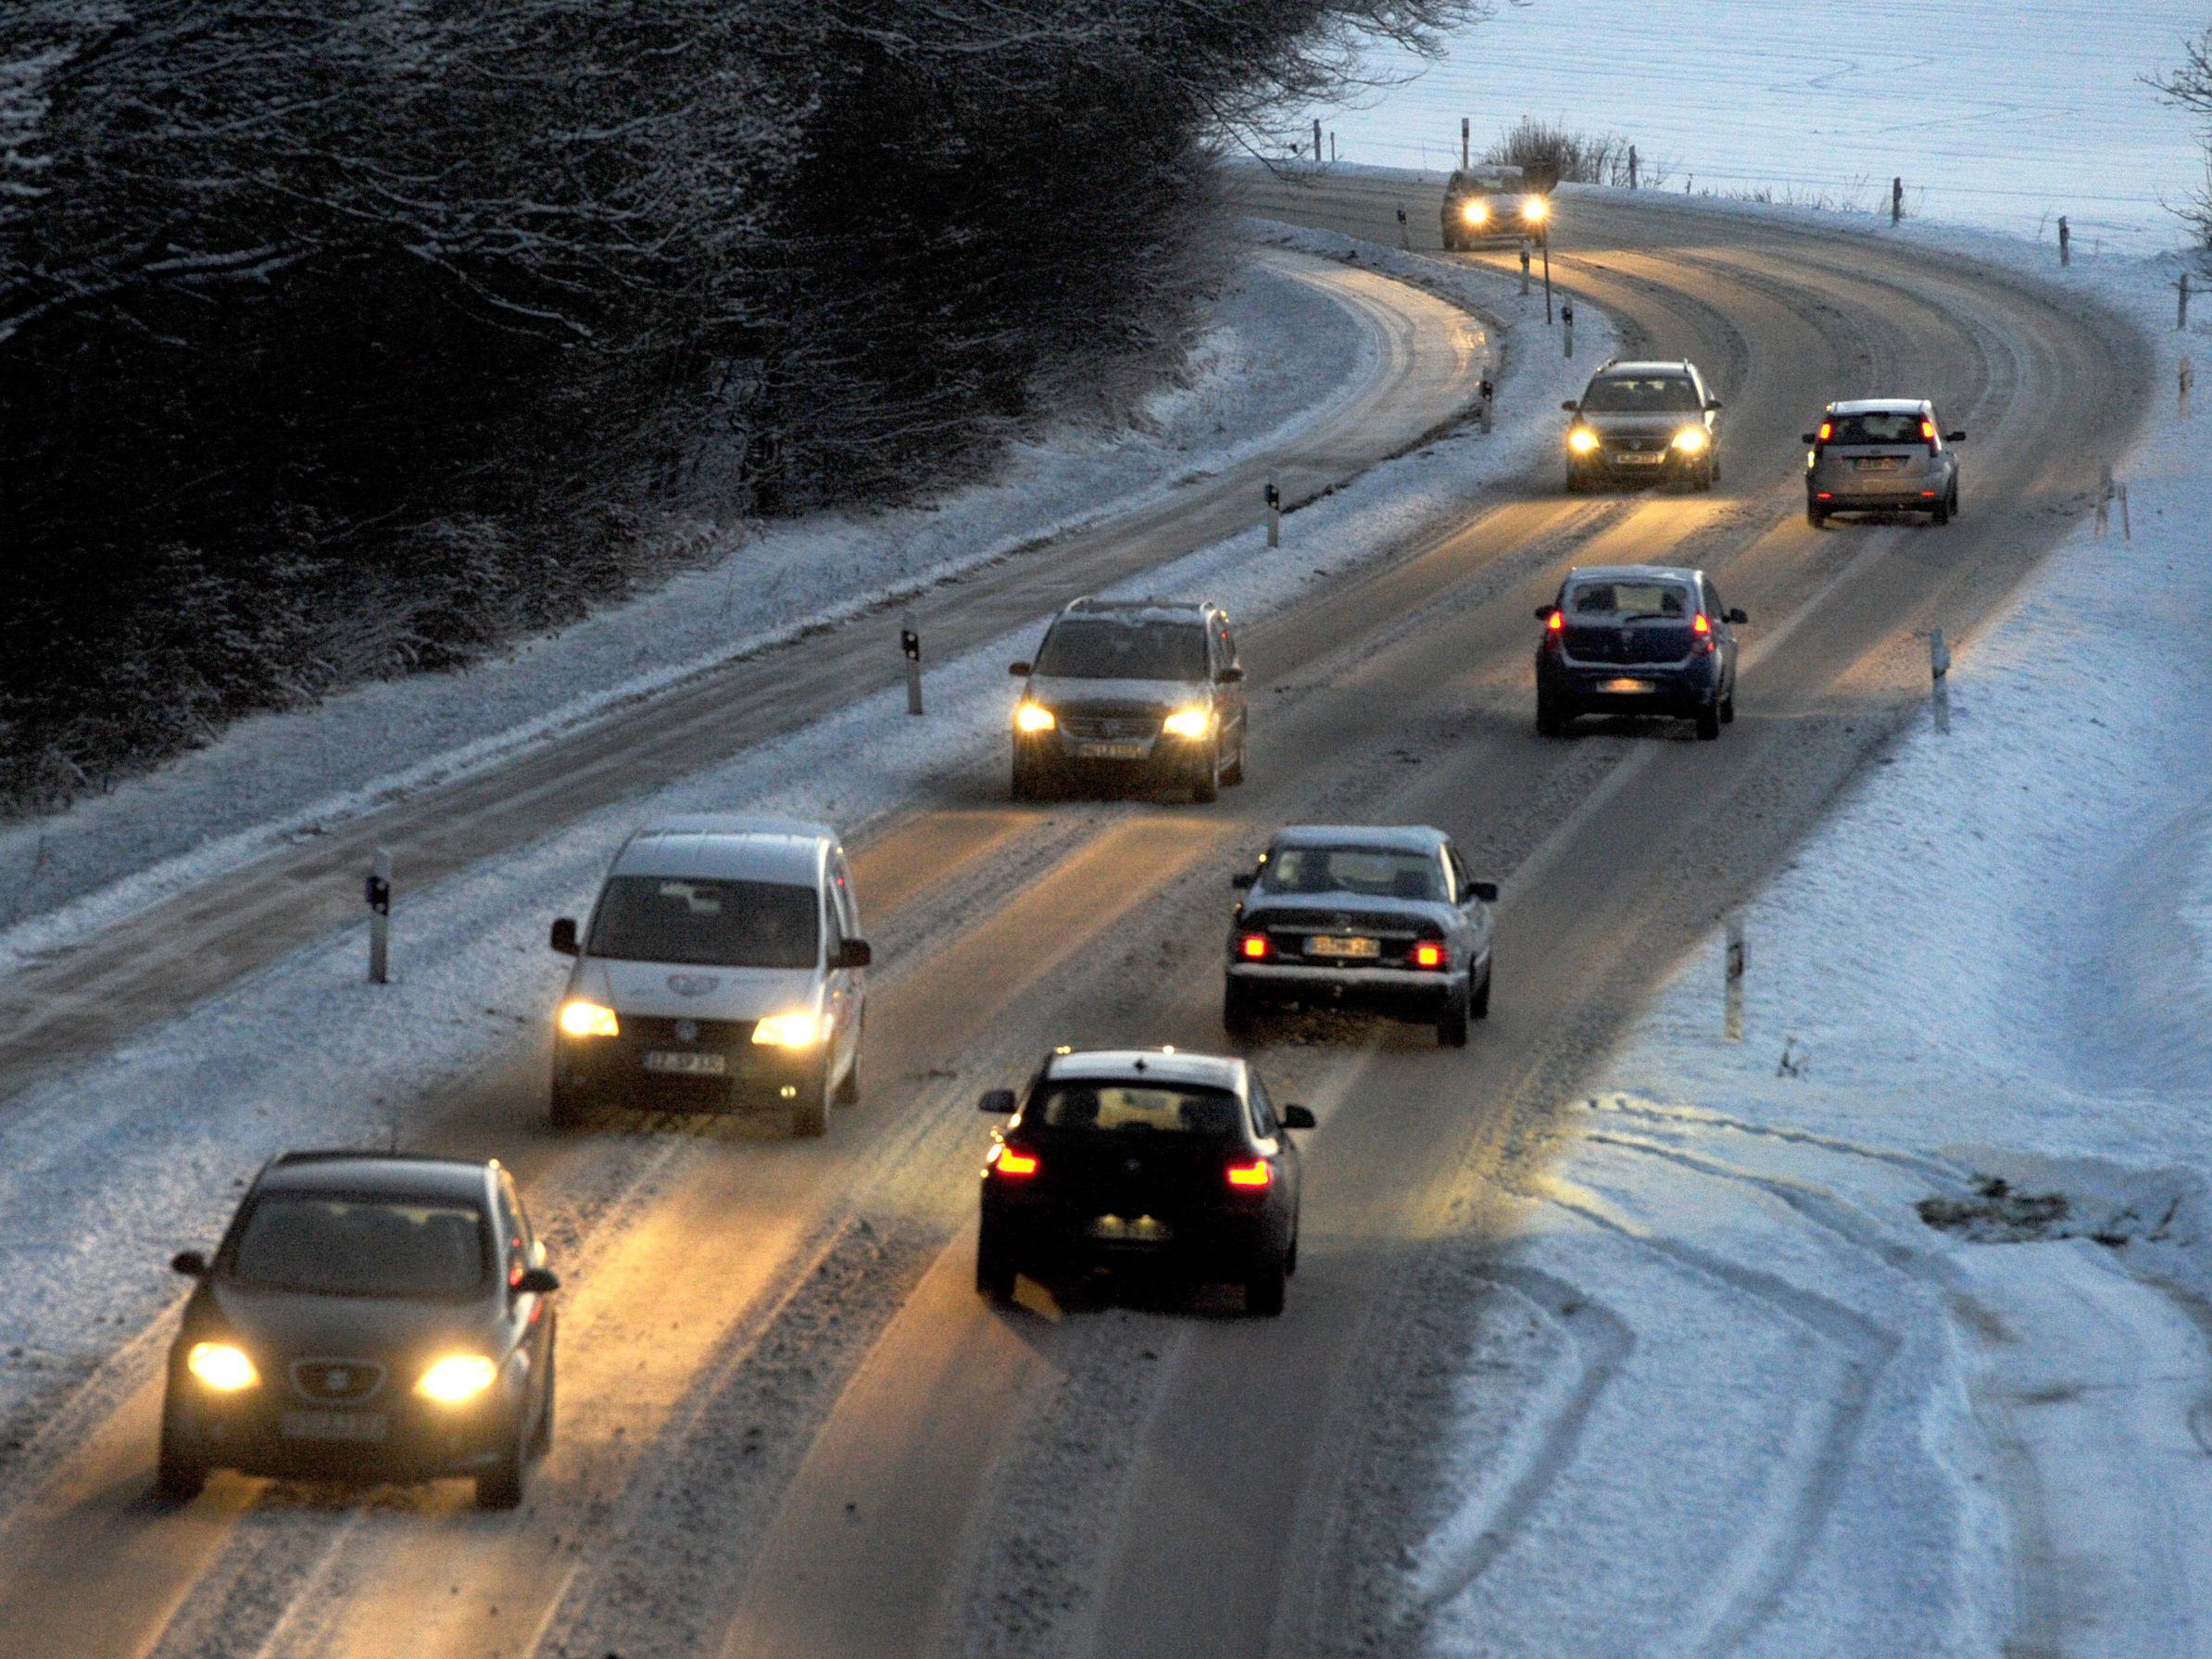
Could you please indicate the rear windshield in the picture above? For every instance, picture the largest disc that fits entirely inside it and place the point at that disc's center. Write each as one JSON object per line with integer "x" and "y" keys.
{"x": 337, "y": 1245}
{"x": 1640, "y": 395}
{"x": 1877, "y": 428}
{"x": 1630, "y": 601}
{"x": 1134, "y": 1109}
{"x": 1095, "y": 649}
{"x": 1377, "y": 873}
{"x": 708, "y": 924}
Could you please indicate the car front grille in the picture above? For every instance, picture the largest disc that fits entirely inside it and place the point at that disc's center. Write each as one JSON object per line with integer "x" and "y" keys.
{"x": 1637, "y": 444}
{"x": 1110, "y": 728}
{"x": 336, "y": 1382}
{"x": 646, "y": 1031}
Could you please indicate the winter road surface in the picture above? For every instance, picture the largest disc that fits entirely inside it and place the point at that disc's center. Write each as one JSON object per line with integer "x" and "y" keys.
{"x": 788, "y": 1427}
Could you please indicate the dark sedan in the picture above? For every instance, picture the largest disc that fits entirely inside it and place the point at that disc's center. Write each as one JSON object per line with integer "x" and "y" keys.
{"x": 1142, "y": 1159}
{"x": 366, "y": 1317}
{"x": 1637, "y": 639}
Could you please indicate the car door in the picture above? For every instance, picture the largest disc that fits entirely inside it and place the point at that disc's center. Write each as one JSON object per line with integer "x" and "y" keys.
{"x": 527, "y": 1326}
{"x": 1229, "y": 694}
{"x": 849, "y": 987}
{"x": 1269, "y": 1129}
{"x": 1709, "y": 595}
{"x": 1475, "y": 916}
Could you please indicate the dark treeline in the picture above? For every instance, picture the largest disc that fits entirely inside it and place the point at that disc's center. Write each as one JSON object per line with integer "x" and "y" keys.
{"x": 346, "y": 337}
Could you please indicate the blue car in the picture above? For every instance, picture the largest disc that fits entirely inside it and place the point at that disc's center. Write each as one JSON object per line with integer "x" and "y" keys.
{"x": 1637, "y": 639}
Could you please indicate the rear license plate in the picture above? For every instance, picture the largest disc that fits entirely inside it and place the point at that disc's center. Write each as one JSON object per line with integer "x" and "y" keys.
{"x": 1626, "y": 685}
{"x": 1633, "y": 460}
{"x": 1881, "y": 463}
{"x": 1113, "y": 751}
{"x": 1323, "y": 945}
{"x": 1137, "y": 1229}
{"x": 687, "y": 1065}
{"x": 333, "y": 1426}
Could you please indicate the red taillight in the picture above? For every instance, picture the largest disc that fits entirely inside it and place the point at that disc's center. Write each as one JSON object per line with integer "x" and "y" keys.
{"x": 1429, "y": 954}
{"x": 1827, "y": 431}
{"x": 1253, "y": 947}
{"x": 1255, "y": 1175}
{"x": 1928, "y": 435}
{"x": 1701, "y": 627}
{"x": 1826, "y": 496}
{"x": 1555, "y": 622}
{"x": 1011, "y": 1162}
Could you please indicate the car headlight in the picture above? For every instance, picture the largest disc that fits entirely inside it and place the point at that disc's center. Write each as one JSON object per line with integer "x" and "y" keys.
{"x": 788, "y": 1031}
{"x": 579, "y": 1018}
{"x": 1476, "y": 213}
{"x": 1691, "y": 440}
{"x": 1582, "y": 441}
{"x": 1033, "y": 717}
{"x": 222, "y": 1366}
{"x": 1536, "y": 210}
{"x": 1194, "y": 721}
{"x": 456, "y": 1378}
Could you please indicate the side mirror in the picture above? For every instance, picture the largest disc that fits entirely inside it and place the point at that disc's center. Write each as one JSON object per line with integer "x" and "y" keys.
{"x": 1543, "y": 613}
{"x": 1571, "y": 407}
{"x": 537, "y": 1281}
{"x": 998, "y": 1101}
{"x": 1737, "y": 617}
{"x": 852, "y": 954}
{"x": 1299, "y": 1118}
{"x": 1019, "y": 669}
{"x": 1954, "y": 438}
{"x": 563, "y": 937}
{"x": 189, "y": 1262}
{"x": 1713, "y": 406}
{"x": 1232, "y": 676}
{"x": 1242, "y": 880}
{"x": 1808, "y": 437}
{"x": 1485, "y": 890}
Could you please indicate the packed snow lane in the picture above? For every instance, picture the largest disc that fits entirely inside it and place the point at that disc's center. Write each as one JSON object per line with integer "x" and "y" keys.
{"x": 785, "y": 1431}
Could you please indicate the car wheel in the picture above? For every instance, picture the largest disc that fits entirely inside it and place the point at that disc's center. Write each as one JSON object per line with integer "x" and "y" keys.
{"x": 994, "y": 1271}
{"x": 179, "y": 1478}
{"x": 1550, "y": 719}
{"x": 541, "y": 1435}
{"x": 1575, "y": 484}
{"x": 566, "y": 1111}
{"x": 1027, "y": 784}
{"x": 500, "y": 1487}
{"x": 1954, "y": 499}
{"x": 1263, "y": 1291}
{"x": 1205, "y": 784}
{"x": 1479, "y": 1004}
{"x": 1728, "y": 710}
{"x": 809, "y": 1112}
{"x": 1708, "y": 722}
{"x": 1240, "y": 1009}
{"x": 1705, "y": 479}
{"x": 1816, "y": 516}
{"x": 1290, "y": 1257}
{"x": 1235, "y": 774}
{"x": 1451, "y": 1021}
{"x": 1941, "y": 513}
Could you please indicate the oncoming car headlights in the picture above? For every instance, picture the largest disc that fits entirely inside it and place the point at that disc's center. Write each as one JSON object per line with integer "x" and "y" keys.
{"x": 1193, "y": 721}
{"x": 1535, "y": 210}
{"x": 788, "y": 1031}
{"x": 1476, "y": 213}
{"x": 458, "y": 1378}
{"x": 1033, "y": 717}
{"x": 1691, "y": 440}
{"x": 1582, "y": 441}
{"x": 222, "y": 1366}
{"x": 579, "y": 1018}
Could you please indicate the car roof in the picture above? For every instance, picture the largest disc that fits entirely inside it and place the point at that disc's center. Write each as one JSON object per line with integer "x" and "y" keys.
{"x": 1645, "y": 367}
{"x": 1150, "y": 1065}
{"x": 1147, "y": 610}
{"x": 1878, "y": 406}
{"x": 396, "y": 1174}
{"x": 728, "y": 846}
{"x": 1633, "y": 573}
{"x": 1393, "y": 837}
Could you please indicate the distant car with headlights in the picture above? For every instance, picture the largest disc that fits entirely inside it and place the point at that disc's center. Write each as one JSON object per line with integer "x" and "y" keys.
{"x": 1374, "y": 917}
{"x": 366, "y": 1316}
{"x": 1881, "y": 455}
{"x": 1643, "y": 423}
{"x": 1637, "y": 639}
{"x": 1134, "y": 692}
{"x": 1490, "y": 203}
{"x": 1142, "y": 1159}
{"x": 722, "y": 966}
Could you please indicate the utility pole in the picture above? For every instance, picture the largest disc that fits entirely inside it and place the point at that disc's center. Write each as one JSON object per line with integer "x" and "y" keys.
{"x": 909, "y": 645}
{"x": 377, "y": 891}
{"x": 1316, "y": 139}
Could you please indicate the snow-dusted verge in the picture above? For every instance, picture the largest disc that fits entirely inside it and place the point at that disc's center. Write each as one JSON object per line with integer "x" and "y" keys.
{"x": 103, "y": 1173}
{"x": 1280, "y": 355}
{"x": 1884, "y": 1331}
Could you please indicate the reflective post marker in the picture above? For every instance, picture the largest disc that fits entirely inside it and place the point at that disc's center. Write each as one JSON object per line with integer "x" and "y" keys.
{"x": 2065, "y": 242}
{"x": 1631, "y": 166}
{"x": 1274, "y": 513}
{"x": 1489, "y": 394}
{"x": 1732, "y": 990}
{"x": 1897, "y": 200}
{"x": 1524, "y": 265}
{"x": 2127, "y": 529}
{"x": 1566, "y": 319}
{"x": 910, "y": 642}
{"x": 1464, "y": 152}
{"x": 377, "y": 890}
{"x": 1405, "y": 237}
{"x": 2181, "y": 316}
{"x": 2182, "y": 383}
{"x": 1939, "y": 676}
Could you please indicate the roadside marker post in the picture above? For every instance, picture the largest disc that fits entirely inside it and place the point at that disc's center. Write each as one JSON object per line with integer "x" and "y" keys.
{"x": 1463, "y": 144}
{"x": 2066, "y": 243}
{"x": 1489, "y": 394}
{"x": 1631, "y": 166}
{"x": 2183, "y": 382}
{"x": 377, "y": 891}
{"x": 1566, "y": 320}
{"x": 1939, "y": 676}
{"x": 1524, "y": 266}
{"x": 2127, "y": 528}
{"x": 1405, "y": 236}
{"x": 1274, "y": 513}
{"x": 1732, "y": 981}
{"x": 1316, "y": 140}
{"x": 910, "y": 643}
{"x": 1897, "y": 200}
{"x": 2181, "y": 315}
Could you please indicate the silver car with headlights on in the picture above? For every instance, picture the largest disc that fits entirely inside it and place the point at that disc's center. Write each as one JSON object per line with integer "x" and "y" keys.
{"x": 1384, "y": 918}
{"x": 1643, "y": 423}
{"x": 722, "y": 966}
{"x": 1136, "y": 692}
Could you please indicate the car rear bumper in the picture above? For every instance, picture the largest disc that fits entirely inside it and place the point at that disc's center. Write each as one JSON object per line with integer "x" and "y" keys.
{"x": 1631, "y": 686}
{"x": 1921, "y": 499}
{"x": 1416, "y": 992}
{"x": 1058, "y": 1241}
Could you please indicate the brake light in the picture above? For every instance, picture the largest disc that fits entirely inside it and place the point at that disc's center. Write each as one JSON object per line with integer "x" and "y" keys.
{"x": 1429, "y": 954}
{"x": 1701, "y": 628}
{"x": 1928, "y": 433}
{"x": 1008, "y": 1161}
{"x": 1253, "y": 1175}
{"x": 1253, "y": 947}
{"x": 1555, "y": 622}
{"x": 1827, "y": 431}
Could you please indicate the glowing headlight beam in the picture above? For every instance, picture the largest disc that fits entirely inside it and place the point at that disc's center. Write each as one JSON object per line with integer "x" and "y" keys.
{"x": 1476, "y": 213}
{"x": 222, "y": 1366}
{"x": 1536, "y": 210}
{"x": 456, "y": 1378}
{"x": 1030, "y": 717}
{"x": 788, "y": 1031}
{"x": 1691, "y": 440}
{"x": 579, "y": 1018}
{"x": 1582, "y": 441}
{"x": 1189, "y": 723}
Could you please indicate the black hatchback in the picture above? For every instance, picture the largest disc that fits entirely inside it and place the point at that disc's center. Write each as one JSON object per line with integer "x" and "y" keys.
{"x": 1142, "y": 1159}
{"x": 366, "y": 1317}
{"x": 1637, "y": 639}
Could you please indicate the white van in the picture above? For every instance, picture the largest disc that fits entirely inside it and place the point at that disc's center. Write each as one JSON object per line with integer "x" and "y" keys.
{"x": 723, "y": 966}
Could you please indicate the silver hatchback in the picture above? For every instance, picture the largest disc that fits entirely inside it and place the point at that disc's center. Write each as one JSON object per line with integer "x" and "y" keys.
{"x": 1881, "y": 455}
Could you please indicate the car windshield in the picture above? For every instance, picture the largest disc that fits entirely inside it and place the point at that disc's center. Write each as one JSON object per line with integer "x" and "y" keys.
{"x": 1134, "y": 1109}
{"x": 344, "y": 1245}
{"x": 1378, "y": 872}
{"x": 1092, "y": 649}
{"x": 1629, "y": 601}
{"x": 1640, "y": 395}
{"x": 1880, "y": 426}
{"x": 708, "y": 924}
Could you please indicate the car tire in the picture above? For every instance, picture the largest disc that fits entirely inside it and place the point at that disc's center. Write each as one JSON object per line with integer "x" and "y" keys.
{"x": 1290, "y": 1257}
{"x": 849, "y": 1087}
{"x": 1728, "y": 710}
{"x": 1451, "y": 1021}
{"x": 1705, "y": 477}
{"x": 1027, "y": 784}
{"x": 994, "y": 1270}
{"x": 1264, "y": 1289}
{"x": 1234, "y": 774}
{"x": 1816, "y": 516}
{"x": 501, "y": 1486}
{"x": 1240, "y": 1009}
{"x": 1550, "y": 719}
{"x": 1479, "y": 1005}
{"x": 809, "y": 1112}
{"x": 541, "y": 1433}
{"x": 566, "y": 1110}
{"x": 1205, "y": 784}
{"x": 1575, "y": 484}
{"x": 1941, "y": 513}
{"x": 179, "y": 1478}
{"x": 1708, "y": 722}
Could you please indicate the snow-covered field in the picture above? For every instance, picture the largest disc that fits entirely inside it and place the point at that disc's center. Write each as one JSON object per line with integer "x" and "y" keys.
{"x": 2002, "y": 113}
{"x": 1884, "y": 1331}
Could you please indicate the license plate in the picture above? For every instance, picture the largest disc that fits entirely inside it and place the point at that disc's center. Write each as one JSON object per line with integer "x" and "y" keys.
{"x": 1323, "y": 945}
{"x": 333, "y": 1426}
{"x": 1640, "y": 460}
{"x": 1626, "y": 685}
{"x": 1115, "y": 751}
{"x": 1137, "y": 1229}
{"x": 687, "y": 1065}
{"x": 1882, "y": 463}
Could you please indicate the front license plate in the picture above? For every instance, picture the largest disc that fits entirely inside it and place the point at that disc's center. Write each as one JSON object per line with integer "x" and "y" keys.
{"x": 333, "y": 1426}
{"x": 1113, "y": 751}
{"x": 687, "y": 1065}
{"x": 1881, "y": 463}
{"x": 1132, "y": 1229}
{"x": 1323, "y": 945}
{"x": 1640, "y": 460}
{"x": 1626, "y": 685}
